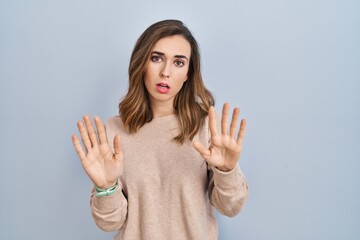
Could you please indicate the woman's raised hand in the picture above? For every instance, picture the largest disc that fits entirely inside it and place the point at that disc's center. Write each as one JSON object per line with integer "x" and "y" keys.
{"x": 225, "y": 148}
{"x": 103, "y": 166}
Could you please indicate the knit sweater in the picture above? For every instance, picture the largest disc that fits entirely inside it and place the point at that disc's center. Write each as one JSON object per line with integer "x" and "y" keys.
{"x": 167, "y": 190}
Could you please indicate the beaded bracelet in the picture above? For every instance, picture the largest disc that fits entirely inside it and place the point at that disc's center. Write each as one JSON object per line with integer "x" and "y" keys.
{"x": 106, "y": 192}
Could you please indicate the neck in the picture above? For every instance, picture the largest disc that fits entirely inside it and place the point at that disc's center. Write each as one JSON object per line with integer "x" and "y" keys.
{"x": 161, "y": 110}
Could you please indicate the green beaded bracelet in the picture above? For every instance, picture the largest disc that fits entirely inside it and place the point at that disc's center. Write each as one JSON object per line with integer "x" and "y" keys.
{"x": 106, "y": 192}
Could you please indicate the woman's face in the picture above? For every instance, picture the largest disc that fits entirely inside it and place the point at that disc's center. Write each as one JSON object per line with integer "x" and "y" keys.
{"x": 167, "y": 69}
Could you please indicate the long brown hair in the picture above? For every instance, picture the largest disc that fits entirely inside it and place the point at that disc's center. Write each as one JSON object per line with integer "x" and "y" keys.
{"x": 193, "y": 101}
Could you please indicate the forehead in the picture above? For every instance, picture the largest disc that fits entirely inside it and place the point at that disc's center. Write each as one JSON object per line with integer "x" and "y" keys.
{"x": 173, "y": 45}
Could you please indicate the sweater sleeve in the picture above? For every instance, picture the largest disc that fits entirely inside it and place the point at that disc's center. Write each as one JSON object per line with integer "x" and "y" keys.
{"x": 109, "y": 212}
{"x": 228, "y": 191}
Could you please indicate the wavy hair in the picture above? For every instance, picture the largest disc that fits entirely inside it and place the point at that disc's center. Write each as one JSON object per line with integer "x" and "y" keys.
{"x": 192, "y": 102}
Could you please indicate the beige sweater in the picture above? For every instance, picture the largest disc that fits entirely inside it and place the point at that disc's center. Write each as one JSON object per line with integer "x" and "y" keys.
{"x": 167, "y": 190}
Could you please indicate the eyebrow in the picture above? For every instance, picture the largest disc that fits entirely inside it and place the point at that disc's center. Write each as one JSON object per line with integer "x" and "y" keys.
{"x": 163, "y": 54}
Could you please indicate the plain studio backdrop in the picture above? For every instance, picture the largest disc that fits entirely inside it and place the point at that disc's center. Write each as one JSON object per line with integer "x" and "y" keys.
{"x": 293, "y": 67}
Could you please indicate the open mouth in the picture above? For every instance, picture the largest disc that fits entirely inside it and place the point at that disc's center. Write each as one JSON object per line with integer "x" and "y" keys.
{"x": 163, "y": 85}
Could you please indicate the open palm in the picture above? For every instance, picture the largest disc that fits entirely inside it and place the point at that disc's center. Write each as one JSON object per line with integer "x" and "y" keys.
{"x": 102, "y": 165}
{"x": 225, "y": 148}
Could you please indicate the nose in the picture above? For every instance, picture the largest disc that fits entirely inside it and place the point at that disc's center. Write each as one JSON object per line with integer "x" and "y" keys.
{"x": 164, "y": 75}
{"x": 165, "y": 71}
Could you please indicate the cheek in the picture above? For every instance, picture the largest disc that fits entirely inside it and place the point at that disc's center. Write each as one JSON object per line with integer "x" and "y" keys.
{"x": 181, "y": 81}
{"x": 147, "y": 80}
{"x": 183, "y": 75}
{"x": 149, "y": 75}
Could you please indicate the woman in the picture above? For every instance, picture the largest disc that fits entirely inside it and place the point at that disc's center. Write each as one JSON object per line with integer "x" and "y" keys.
{"x": 168, "y": 165}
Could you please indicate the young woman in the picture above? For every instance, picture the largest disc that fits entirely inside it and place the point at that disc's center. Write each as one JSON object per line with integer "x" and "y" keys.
{"x": 163, "y": 164}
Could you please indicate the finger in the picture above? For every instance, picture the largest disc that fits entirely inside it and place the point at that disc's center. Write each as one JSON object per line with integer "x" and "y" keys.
{"x": 100, "y": 130}
{"x": 118, "y": 147}
{"x": 212, "y": 121}
{"x": 84, "y": 135}
{"x": 91, "y": 131}
{"x": 78, "y": 148}
{"x": 224, "y": 119}
{"x": 205, "y": 153}
{"x": 242, "y": 132}
{"x": 234, "y": 121}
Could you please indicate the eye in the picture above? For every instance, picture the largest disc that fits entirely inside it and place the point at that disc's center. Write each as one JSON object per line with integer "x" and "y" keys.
{"x": 156, "y": 58}
{"x": 179, "y": 63}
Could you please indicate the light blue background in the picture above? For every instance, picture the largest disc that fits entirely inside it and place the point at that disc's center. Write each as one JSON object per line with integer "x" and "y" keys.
{"x": 293, "y": 67}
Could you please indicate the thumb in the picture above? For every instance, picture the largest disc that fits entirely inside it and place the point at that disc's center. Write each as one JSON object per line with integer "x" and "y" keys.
{"x": 118, "y": 147}
{"x": 205, "y": 153}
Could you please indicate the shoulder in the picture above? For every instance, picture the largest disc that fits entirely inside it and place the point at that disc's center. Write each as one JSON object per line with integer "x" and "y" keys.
{"x": 114, "y": 121}
{"x": 203, "y": 134}
{"x": 115, "y": 125}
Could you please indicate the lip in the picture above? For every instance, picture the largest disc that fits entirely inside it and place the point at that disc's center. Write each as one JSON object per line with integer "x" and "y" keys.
{"x": 162, "y": 87}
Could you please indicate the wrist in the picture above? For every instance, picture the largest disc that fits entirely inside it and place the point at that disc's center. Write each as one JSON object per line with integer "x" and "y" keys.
{"x": 106, "y": 185}
{"x": 101, "y": 192}
{"x": 224, "y": 169}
